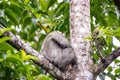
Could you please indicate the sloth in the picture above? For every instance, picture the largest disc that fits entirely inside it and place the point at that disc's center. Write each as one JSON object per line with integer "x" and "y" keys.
{"x": 56, "y": 48}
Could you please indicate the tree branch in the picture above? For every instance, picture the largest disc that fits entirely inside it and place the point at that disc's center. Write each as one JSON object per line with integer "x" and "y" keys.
{"x": 109, "y": 59}
{"x": 42, "y": 61}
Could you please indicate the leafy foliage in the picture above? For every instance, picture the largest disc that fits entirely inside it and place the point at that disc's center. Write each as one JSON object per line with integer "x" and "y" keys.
{"x": 32, "y": 20}
{"x": 105, "y": 17}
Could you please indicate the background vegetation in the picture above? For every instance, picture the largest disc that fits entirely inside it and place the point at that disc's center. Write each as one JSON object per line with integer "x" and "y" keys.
{"x": 32, "y": 20}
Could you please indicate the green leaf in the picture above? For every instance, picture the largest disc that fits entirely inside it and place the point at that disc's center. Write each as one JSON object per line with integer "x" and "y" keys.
{"x": 26, "y": 6}
{"x": 117, "y": 32}
{"x": 24, "y": 56}
{"x": 23, "y": 53}
{"x": 61, "y": 9}
{"x": 6, "y": 46}
{"x": 95, "y": 56}
{"x": 3, "y": 22}
{"x": 44, "y": 5}
{"x": 30, "y": 68}
{"x": 117, "y": 61}
{"x": 14, "y": 60}
{"x": 117, "y": 71}
{"x": 11, "y": 16}
{"x": 88, "y": 38}
{"x": 27, "y": 57}
{"x": 16, "y": 8}
{"x": 108, "y": 40}
{"x": 26, "y": 1}
{"x": 3, "y": 39}
{"x": 3, "y": 5}
{"x": 41, "y": 12}
{"x": 42, "y": 77}
{"x": 110, "y": 69}
{"x": 51, "y": 2}
{"x": 26, "y": 22}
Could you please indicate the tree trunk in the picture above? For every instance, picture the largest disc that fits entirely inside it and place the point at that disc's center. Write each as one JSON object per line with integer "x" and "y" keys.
{"x": 79, "y": 30}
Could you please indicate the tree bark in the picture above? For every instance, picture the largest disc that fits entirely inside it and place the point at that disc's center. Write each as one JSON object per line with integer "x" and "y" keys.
{"x": 79, "y": 30}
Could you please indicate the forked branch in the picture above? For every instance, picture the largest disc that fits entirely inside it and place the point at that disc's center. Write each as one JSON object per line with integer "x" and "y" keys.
{"x": 109, "y": 59}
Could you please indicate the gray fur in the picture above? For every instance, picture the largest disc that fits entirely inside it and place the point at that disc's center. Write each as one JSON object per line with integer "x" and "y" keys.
{"x": 56, "y": 48}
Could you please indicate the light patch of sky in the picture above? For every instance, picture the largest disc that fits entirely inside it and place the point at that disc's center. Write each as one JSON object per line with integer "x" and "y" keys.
{"x": 116, "y": 42}
{"x": 106, "y": 78}
{"x": 60, "y": 1}
{"x": 17, "y": 28}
